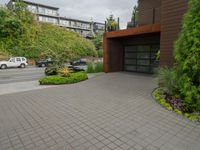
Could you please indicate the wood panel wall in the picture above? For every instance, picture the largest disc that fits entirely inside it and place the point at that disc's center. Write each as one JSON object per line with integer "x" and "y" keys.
{"x": 146, "y": 8}
{"x": 172, "y": 15}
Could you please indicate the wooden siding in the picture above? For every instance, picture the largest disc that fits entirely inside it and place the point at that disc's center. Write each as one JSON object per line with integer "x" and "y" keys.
{"x": 172, "y": 14}
{"x": 146, "y": 12}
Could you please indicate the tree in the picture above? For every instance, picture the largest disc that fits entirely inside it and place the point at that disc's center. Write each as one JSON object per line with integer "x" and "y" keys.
{"x": 187, "y": 55}
{"x": 98, "y": 41}
{"x": 111, "y": 23}
{"x": 135, "y": 15}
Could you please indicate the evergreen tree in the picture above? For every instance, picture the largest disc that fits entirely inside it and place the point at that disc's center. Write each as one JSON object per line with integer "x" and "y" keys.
{"x": 187, "y": 54}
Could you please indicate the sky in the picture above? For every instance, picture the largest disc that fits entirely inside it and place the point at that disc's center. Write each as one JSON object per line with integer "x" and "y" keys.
{"x": 96, "y": 10}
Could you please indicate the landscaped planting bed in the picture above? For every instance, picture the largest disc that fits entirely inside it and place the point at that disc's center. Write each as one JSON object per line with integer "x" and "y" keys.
{"x": 174, "y": 103}
{"x": 58, "y": 79}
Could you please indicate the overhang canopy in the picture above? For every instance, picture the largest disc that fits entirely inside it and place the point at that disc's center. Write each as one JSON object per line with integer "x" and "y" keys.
{"x": 154, "y": 28}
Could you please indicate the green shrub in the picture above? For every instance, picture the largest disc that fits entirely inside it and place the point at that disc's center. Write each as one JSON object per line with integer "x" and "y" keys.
{"x": 100, "y": 53}
{"x": 187, "y": 54}
{"x": 57, "y": 79}
{"x": 167, "y": 80}
{"x": 94, "y": 67}
{"x": 99, "y": 67}
{"x": 90, "y": 67}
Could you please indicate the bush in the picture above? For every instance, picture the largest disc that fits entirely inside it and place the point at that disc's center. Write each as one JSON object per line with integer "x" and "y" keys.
{"x": 167, "y": 80}
{"x": 100, "y": 53}
{"x": 187, "y": 54}
{"x": 99, "y": 67}
{"x": 57, "y": 79}
{"x": 94, "y": 67}
{"x": 52, "y": 70}
{"x": 90, "y": 67}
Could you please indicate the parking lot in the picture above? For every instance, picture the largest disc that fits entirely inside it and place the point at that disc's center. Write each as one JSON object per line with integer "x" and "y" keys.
{"x": 19, "y": 80}
{"x": 20, "y": 75}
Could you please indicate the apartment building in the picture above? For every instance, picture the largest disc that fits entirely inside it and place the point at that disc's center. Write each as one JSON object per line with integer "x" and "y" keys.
{"x": 135, "y": 49}
{"x": 49, "y": 14}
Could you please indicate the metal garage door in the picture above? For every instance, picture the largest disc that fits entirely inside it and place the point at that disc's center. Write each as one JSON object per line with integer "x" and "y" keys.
{"x": 140, "y": 58}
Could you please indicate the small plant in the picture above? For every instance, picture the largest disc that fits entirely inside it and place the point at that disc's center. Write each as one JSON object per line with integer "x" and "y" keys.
{"x": 64, "y": 72}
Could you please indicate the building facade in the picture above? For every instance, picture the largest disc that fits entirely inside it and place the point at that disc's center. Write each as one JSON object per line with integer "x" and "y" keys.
{"x": 136, "y": 49}
{"x": 49, "y": 14}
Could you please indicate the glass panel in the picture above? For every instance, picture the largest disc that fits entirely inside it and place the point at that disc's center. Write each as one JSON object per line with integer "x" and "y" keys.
{"x": 130, "y": 68}
{"x": 131, "y": 49}
{"x": 130, "y": 61}
{"x": 143, "y": 55}
{"x": 155, "y": 48}
{"x": 144, "y": 48}
{"x": 143, "y": 62}
{"x": 130, "y": 55}
{"x": 142, "y": 69}
{"x": 153, "y": 55}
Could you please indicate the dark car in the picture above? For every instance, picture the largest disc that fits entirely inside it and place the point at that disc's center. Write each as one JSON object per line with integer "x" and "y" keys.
{"x": 79, "y": 65}
{"x": 44, "y": 63}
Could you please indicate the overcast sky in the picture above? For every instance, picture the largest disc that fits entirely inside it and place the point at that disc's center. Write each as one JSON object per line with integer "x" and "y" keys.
{"x": 97, "y": 10}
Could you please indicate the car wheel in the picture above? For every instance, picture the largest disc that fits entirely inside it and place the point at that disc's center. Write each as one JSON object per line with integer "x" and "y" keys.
{"x": 3, "y": 66}
{"x": 43, "y": 65}
{"x": 22, "y": 66}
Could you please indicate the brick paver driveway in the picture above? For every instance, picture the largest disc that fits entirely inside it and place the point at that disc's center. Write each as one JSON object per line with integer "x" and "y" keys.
{"x": 109, "y": 112}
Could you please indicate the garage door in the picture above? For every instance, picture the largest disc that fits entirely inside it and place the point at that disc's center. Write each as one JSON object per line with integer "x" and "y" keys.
{"x": 141, "y": 58}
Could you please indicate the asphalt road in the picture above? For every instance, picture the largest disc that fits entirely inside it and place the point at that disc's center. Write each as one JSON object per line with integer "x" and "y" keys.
{"x": 20, "y": 75}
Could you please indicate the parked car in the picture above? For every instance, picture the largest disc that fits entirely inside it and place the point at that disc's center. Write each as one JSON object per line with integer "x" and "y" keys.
{"x": 14, "y": 62}
{"x": 79, "y": 65}
{"x": 44, "y": 62}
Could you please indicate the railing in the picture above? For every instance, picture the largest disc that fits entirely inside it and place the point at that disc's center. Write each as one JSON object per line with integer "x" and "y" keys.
{"x": 112, "y": 28}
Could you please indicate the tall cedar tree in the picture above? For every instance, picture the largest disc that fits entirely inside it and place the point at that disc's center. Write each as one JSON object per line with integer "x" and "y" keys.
{"x": 187, "y": 54}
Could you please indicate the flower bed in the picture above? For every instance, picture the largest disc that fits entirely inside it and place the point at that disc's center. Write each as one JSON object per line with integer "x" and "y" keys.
{"x": 174, "y": 103}
{"x": 58, "y": 79}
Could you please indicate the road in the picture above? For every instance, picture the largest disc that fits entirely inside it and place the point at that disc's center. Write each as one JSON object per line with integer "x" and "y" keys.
{"x": 20, "y": 75}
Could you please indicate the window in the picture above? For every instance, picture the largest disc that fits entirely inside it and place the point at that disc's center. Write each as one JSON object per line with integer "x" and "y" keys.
{"x": 64, "y": 22}
{"x": 41, "y": 10}
{"x": 18, "y": 59}
{"x": 12, "y": 60}
{"x": 32, "y": 8}
{"x": 48, "y": 19}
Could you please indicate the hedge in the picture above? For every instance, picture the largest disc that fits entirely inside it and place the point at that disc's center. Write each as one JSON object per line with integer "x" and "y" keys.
{"x": 58, "y": 80}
